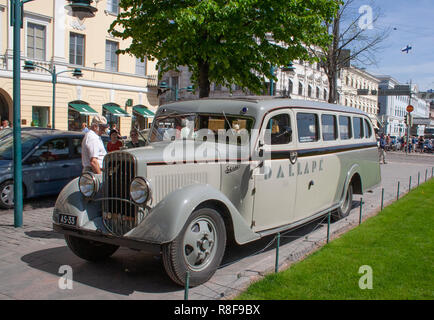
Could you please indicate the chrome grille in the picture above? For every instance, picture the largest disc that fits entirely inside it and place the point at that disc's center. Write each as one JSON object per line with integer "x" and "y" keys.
{"x": 119, "y": 214}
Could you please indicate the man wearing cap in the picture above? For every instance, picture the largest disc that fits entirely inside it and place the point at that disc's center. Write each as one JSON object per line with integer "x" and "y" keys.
{"x": 92, "y": 147}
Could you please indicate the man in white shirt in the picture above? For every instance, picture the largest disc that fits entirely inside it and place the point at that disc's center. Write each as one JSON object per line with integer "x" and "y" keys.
{"x": 92, "y": 147}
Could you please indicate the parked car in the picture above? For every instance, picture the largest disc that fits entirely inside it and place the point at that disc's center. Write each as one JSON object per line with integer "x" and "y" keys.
{"x": 218, "y": 170}
{"x": 51, "y": 158}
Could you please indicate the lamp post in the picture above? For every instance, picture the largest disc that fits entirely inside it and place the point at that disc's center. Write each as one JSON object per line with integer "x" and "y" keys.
{"x": 30, "y": 66}
{"x": 164, "y": 85}
{"x": 79, "y": 8}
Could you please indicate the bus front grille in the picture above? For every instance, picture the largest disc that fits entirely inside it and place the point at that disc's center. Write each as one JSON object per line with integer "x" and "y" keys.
{"x": 119, "y": 214}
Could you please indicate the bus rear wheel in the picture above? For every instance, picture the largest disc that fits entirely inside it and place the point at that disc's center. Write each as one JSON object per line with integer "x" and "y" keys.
{"x": 345, "y": 209}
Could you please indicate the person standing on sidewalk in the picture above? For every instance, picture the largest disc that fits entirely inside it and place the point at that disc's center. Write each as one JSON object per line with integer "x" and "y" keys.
{"x": 382, "y": 152}
{"x": 92, "y": 147}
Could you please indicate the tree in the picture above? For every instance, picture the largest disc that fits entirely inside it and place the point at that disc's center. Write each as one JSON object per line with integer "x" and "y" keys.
{"x": 223, "y": 41}
{"x": 357, "y": 41}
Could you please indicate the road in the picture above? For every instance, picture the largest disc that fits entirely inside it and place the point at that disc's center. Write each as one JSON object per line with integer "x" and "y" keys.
{"x": 31, "y": 256}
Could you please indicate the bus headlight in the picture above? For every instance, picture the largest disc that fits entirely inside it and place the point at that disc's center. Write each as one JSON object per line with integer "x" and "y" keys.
{"x": 140, "y": 190}
{"x": 88, "y": 185}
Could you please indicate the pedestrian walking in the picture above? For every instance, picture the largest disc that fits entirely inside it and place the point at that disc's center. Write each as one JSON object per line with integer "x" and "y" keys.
{"x": 382, "y": 152}
{"x": 92, "y": 147}
{"x": 115, "y": 142}
{"x": 421, "y": 143}
{"x": 135, "y": 142}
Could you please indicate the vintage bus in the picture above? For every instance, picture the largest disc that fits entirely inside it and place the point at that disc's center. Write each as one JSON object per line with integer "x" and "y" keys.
{"x": 217, "y": 170}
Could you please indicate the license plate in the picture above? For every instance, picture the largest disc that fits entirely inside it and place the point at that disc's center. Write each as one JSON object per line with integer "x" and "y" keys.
{"x": 69, "y": 220}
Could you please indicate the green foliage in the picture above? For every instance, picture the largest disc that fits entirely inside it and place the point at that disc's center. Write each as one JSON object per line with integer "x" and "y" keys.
{"x": 237, "y": 40}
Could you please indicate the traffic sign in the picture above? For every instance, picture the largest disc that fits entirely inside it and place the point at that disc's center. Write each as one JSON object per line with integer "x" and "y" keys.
{"x": 410, "y": 108}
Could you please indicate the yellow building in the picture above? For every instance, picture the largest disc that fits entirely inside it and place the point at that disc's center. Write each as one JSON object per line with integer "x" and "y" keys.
{"x": 121, "y": 87}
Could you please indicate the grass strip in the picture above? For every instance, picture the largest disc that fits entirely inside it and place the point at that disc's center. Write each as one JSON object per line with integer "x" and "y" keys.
{"x": 397, "y": 244}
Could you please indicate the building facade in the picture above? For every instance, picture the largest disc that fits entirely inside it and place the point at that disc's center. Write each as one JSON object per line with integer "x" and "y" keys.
{"x": 351, "y": 80}
{"x": 306, "y": 81}
{"x": 120, "y": 87}
{"x": 393, "y": 108}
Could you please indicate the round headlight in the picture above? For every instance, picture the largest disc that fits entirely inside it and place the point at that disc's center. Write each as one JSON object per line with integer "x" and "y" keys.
{"x": 87, "y": 185}
{"x": 140, "y": 190}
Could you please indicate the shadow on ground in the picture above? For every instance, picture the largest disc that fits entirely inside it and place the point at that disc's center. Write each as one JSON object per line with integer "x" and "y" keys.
{"x": 129, "y": 271}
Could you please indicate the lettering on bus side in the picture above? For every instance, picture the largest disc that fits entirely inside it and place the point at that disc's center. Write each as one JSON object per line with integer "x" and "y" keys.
{"x": 300, "y": 168}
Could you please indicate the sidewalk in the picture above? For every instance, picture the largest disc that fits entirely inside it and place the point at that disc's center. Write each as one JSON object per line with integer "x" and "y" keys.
{"x": 30, "y": 257}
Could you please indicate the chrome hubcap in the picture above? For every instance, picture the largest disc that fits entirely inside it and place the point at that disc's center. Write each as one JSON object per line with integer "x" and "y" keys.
{"x": 7, "y": 194}
{"x": 199, "y": 243}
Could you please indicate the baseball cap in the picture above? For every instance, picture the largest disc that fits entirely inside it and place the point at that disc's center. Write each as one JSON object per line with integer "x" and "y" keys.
{"x": 100, "y": 120}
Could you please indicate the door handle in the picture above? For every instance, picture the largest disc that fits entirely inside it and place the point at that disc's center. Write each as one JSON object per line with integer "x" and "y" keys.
{"x": 293, "y": 157}
{"x": 65, "y": 166}
{"x": 311, "y": 183}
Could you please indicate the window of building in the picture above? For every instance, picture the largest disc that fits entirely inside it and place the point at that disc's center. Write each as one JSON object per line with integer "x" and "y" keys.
{"x": 309, "y": 91}
{"x": 300, "y": 89}
{"x": 141, "y": 67}
{"x": 317, "y": 92}
{"x": 290, "y": 86}
{"x": 40, "y": 117}
{"x": 36, "y": 41}
{"x": 325, "y": 95}
{"x": 111, "y": 58}
{"x": 358, "y": 128}
{"x": 279, "y": 127}
{"x": 345, "y": 131}
{"x": 113, "y": 6}
{"x": 76, "y": 49}
{"x": 329, "y": 127}
{"x": 307, "y": 124}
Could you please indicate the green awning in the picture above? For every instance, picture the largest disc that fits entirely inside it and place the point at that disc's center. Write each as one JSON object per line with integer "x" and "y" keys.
{"x": 84, "y": 109}
{"x": 116, "y": 110}
{"x": 143, "y": 111}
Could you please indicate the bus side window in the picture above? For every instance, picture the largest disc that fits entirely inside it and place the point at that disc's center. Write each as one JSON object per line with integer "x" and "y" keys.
{"x": 308, "y": 128}
{"x": 358, "y": 127}
{"x": 368, "y": 130}
{"x": 329, "y": 127}
{"x": 279, "y": 127}
{"x": 345, "y": 127}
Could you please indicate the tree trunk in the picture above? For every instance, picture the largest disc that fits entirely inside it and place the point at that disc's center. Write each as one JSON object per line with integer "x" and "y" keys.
{"x": 204, "y": 84}
{"x": 332, "y": 87}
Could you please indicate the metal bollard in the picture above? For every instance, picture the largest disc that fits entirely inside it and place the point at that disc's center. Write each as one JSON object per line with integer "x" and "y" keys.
{"x": 409, "y": 185}
{"x": 382, "y": 198}
{"x": 276, "y": 266}
{"x": 397, "y": 194}
{"x": 328, "y": 228}
{"x": 187, "y": 284}
{"x": 418, "y": 178}
{"x": 360, "y": 217}
{"x": 426, "y": 174}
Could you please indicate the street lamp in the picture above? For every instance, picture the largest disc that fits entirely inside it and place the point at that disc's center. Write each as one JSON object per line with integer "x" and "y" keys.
{"x": 78, "y": 8}
{"x": 164, "y": 85}
{"x": 30, "y": 66}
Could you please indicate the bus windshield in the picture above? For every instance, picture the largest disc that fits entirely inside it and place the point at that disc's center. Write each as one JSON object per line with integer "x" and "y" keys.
{"x": 196, "y": 126}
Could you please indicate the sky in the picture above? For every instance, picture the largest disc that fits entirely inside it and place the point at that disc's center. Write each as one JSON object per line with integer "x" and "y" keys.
{"x": 411, "y": 23}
